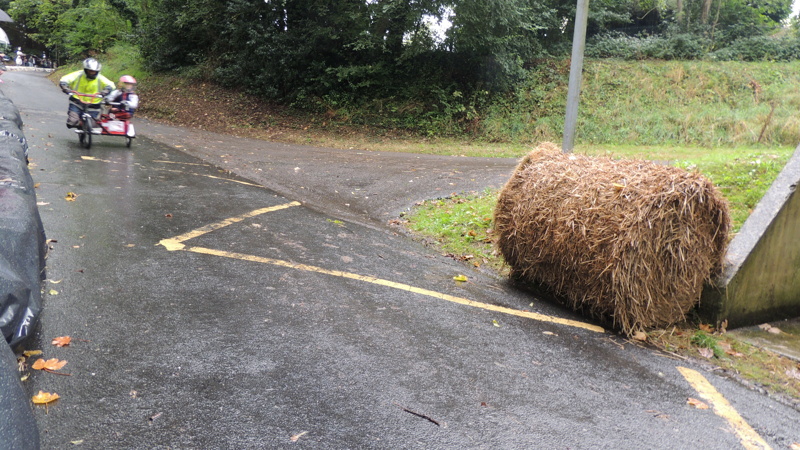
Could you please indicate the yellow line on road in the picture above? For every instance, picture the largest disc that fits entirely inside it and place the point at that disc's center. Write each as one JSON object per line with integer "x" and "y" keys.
{"x": 746, "y": 434}
{"x": 176, "y": 242}
{"x": 212, "y": 176}
{"x": 401, "y": 286}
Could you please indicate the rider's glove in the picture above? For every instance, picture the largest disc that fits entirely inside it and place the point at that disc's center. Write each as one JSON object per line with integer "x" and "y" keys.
{"x": 124, "y": 104}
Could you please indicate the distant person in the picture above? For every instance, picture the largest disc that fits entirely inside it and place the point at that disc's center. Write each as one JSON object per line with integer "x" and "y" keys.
{"x": 126, "y": 96}
{"x": 19, "y": 56}
{"x": 86, "y": 81}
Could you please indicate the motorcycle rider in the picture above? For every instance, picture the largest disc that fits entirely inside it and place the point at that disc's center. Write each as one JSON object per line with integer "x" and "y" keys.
{"x": 126, "y": 96}
{"x": 86, "y": 81}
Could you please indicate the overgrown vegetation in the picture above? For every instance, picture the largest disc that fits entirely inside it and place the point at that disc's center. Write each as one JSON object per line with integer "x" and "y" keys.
{"x": 484, "y": 69}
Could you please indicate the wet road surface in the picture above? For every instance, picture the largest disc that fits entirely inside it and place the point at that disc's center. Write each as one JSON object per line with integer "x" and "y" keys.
{"x": 208, "y": 311}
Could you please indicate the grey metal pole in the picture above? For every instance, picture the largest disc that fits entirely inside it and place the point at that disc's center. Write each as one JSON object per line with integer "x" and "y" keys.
{"x": 575, "y": 72}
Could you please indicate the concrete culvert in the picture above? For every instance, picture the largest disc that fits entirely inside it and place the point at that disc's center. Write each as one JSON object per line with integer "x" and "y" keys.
{"x": 626, "y": 241}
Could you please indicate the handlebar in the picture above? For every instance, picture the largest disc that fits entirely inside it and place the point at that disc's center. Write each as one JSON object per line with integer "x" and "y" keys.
{"x": 78, "y": 94}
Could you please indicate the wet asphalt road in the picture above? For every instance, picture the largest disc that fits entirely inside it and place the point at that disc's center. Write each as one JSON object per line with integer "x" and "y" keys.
{"x": 199, "y": 323}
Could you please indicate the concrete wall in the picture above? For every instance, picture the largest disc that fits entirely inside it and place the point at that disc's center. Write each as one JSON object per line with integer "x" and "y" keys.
{"x": 761, "y": 278}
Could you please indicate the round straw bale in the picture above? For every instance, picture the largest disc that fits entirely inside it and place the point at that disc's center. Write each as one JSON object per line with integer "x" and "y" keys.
{"x": 622, "y": 240}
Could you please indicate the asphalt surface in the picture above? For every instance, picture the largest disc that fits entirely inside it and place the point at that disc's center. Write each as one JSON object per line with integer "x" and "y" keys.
{"x": 229, "y": 293}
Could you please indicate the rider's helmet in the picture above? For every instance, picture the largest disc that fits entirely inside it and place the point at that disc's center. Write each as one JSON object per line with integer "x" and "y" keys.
{"x": 91, "y": 67}
{"x": 127, "y": 83}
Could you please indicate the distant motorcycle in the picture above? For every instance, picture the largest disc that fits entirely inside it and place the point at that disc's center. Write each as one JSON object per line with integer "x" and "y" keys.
{"x": 112, "y": 121}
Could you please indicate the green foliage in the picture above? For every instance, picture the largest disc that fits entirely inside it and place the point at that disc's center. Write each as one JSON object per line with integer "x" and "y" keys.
{"x": 674, "y": 46}
{"x": 89, "y": 29}
{"x": 760, "y": 48}
{"x": 704, "y": 340}
{"x": 73, "y": 30}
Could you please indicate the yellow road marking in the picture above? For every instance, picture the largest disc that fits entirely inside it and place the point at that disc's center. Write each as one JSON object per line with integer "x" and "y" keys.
{"x": 746, "y": 434}
{"x": 176, "y": 242}
{"x": 401, "y": 286}
{"x": 211, "y": 176}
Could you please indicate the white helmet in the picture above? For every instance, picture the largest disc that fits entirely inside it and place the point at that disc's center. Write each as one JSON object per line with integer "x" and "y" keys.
{"x": 91, "y": 64}
{"x": 91, "y": 68}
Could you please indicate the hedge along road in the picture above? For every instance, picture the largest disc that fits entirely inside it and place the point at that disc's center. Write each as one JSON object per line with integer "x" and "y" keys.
{"x": 208, "y": 311}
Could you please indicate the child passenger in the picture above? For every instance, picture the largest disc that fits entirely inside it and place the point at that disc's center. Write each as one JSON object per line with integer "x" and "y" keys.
{"x": 126, "y": 96}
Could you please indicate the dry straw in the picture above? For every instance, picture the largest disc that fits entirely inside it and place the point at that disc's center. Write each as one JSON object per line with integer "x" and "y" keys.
{"x": 623, "y": 240}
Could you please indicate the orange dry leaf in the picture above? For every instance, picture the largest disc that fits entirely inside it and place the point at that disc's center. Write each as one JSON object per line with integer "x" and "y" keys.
{"x": 62, "y": 341}
{"x": 43, "y": 398}
{"x": 71, "y": 196}
{"x": 50, "y": 364}
{"x": 32, "y": 352}
{"x": 696, "y": 403}
{"x": 706, "y": 327}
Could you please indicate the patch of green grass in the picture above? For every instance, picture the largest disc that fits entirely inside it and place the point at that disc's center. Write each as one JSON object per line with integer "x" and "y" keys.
{"x": 702, "y": 339}
{"x": 459, "y": 225}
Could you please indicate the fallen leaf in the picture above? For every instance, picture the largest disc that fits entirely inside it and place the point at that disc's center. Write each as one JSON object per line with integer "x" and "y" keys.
{"x": 50, "y": 364}
{"x": 32, "y": 352}
{"x": 76, "y": 442}
{"x": 494, "y": 322}
{"x": 706, "y": 327}
{"x": 53, "y": 292}
{"x": 168, "y": 215}
{"x": 774, "y": 330}
{"x": 43, "y": 398}
{"x": 549, "y": 333}
{"x": 71, "y": 196}
{"x": 706, "y": 352}
{"x": 297, "y": 436}
{"x": 795, "y": 446}
{"x": 696, "y": 403}
{"x": 460, "y": 278}
{"x": 24, "y": 377}
{"x": 640, "y": 336}
{"x": 36, "y": 185}
{"x": 62, "y": 341}
{"x": 723, "y": 327}
{"x": 55, "y": 282}
{"x": 734, "y": 353}
{"x": 793, "y": 373}
{"x": 130, "y": 245}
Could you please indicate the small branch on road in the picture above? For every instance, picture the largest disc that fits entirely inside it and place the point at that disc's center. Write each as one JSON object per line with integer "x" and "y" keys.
{"x": 429, "y": 419}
